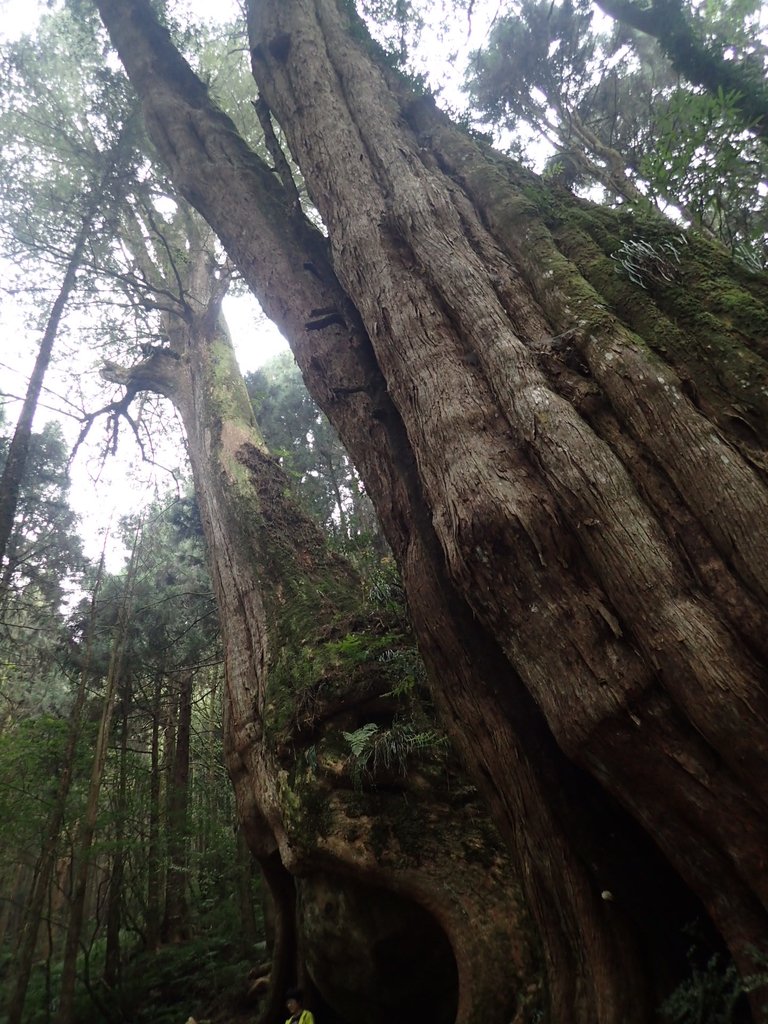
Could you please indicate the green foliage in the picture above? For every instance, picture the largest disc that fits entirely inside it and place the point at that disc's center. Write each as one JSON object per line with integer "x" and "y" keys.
{"x": 44, "y": 564}
{"x": 44, "y": 553}
{"x": 63, "y": 122}
{"x": 384, "y": 586}
{"x": 184, "y": 980}
{"x": 200, "y": 978}
{"x": 374, "y": 749}
{"x": 406, "y": 669}
{"x": 173, "y": 630}
{"x": 540, "y": 51}
{"x": 618, "y": 117}
{"x": 31, "y": 755}
{"x": 360, "y": 740}
{"x": 311, "y": 455}
{"x": 701, "y": 156}
{"x": 712, "y": 994}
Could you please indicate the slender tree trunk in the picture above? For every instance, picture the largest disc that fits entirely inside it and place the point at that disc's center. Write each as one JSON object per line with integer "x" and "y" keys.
{"x": 17, "y": 891}
{"x": 115, "y": 894}
{"x": 176, "y": 920}
{"x": 42, "y": 882}
{"x": 15, "y": 464}
{"x": 331, "y": 468}
{"x": 154, "y": 875}
{"x": 66, "y": 1009}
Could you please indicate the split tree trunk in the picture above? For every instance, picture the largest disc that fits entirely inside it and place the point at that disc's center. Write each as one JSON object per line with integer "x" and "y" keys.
{"x": 569, "y": 469}
{"x": 287, "y": 603}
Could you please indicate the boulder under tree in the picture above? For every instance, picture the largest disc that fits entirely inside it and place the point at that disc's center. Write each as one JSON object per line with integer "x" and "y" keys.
{"x": 569, "y": 467}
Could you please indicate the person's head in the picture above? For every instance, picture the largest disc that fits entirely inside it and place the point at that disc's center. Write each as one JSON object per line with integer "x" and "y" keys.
{"x": 294, "y": 1000}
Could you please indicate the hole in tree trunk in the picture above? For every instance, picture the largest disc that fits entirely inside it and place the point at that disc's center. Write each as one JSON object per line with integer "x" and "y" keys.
{"x": 374, "y": 955}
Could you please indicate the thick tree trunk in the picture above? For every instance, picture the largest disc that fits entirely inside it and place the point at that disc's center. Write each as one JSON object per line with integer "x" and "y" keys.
{"x": 569, "y": 469}
{"x": 287, "y": 602}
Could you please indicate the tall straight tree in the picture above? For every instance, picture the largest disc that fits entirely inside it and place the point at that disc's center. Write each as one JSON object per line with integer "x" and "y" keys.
{"x": 18, "y": 451}
{"x": 569, "y": 466}
{"x": 175, "y": 926}
{"x": 87, "y": 827}
{"x": 64, "y": 176}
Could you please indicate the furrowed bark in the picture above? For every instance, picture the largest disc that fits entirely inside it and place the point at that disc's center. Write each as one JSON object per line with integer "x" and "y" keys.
{"x": 520, "y": 483}
{"x": 579, "y": 533}
{"x": 284, "y": 597}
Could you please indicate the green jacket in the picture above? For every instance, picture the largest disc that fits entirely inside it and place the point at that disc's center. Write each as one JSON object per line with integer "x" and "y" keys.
{"x": 305, "y": 1017}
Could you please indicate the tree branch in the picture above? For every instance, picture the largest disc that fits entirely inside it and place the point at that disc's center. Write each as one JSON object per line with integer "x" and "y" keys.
{"x": 699, "y": 61}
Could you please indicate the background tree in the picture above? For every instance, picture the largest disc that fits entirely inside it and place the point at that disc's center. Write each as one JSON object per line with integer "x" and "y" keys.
{"x": 314, "y": 459}
{"x": 44, "y": 563}
{"x": 711, "y": 46}
{"x": 172, "y": 628}
{"x": 65, "y": 176}
{"x": 619, "y": 116}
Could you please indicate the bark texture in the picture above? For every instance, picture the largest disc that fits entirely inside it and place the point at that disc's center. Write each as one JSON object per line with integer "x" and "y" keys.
{"x": 570, "y": 470}
{"x": 401, "y": 830}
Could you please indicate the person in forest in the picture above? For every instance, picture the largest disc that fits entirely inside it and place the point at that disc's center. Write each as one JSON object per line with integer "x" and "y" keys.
{"x": 294, "y": 1001}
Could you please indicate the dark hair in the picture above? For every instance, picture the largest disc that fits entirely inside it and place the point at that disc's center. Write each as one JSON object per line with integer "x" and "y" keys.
{"x": 295, "y": 993}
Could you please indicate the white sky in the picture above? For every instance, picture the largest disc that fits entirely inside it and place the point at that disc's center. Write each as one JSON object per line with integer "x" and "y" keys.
{"x": 102, "y": 492}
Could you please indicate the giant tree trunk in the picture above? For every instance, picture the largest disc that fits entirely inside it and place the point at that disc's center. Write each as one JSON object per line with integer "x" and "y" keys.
{"x": 371, "y": 867}
{"x": 570, "y": 471}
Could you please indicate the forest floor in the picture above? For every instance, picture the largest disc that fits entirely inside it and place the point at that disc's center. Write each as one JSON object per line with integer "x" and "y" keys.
{"x": 203, "y": 980}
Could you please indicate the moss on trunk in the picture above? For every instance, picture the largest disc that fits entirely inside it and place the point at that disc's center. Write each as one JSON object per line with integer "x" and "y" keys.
{"x": 341, "y": 774}
{"x": 568, "y": 466}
